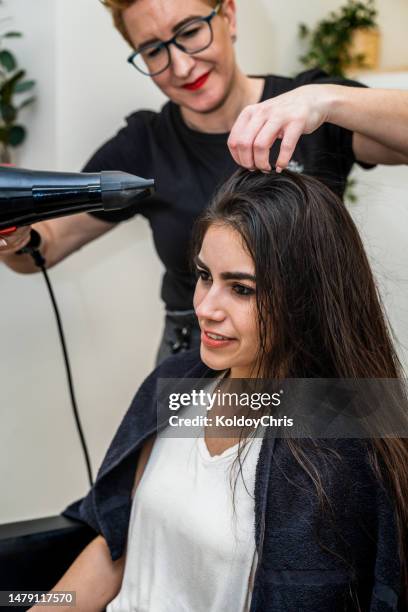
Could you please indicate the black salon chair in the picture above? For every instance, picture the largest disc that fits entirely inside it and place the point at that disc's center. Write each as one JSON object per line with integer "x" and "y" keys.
{"x": 35, "y": 554}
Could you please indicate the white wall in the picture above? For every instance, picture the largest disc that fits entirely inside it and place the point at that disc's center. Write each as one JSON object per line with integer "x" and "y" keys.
{"x": 35, "y": 52}
{"x": 108, "y": 293}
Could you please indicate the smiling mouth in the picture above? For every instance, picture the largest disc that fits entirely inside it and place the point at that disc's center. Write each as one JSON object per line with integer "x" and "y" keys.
{"x": 212, "y": 340}
{"x": 217, "y": 336}
{"x": 198, "y": 83}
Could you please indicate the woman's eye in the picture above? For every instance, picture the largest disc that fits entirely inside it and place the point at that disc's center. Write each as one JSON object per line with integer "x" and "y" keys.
{"x": 202, "y": 274}
{"x": 152, "y": 53}
{"x": 243, "y": 290}
{"x": 190, "y": 33}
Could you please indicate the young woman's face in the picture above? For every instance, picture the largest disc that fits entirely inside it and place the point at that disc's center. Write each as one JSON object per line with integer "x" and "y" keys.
{"x": 211, "y": 71}
{"x": 225, "y": 303}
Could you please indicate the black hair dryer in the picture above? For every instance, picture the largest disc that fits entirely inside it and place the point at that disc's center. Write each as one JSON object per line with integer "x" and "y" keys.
{"x": 29, "y": 196}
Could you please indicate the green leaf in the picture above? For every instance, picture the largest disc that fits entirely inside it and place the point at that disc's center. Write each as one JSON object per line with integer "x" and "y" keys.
{"x": 12, "y": 79}
{"x": 7, "y": 60}
{"x": 17, "y": 135}
{"x": 26, "y": 102}
{"x": 8, "y": 112}
{"x": 12, "y": 35}
{"x": 25, "y": 86}
{"x": 329, "y": 39}
{"x": 7, "y": 87}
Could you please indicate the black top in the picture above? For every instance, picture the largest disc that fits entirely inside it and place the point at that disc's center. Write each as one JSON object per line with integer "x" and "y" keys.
{"x": 189, "y": 165}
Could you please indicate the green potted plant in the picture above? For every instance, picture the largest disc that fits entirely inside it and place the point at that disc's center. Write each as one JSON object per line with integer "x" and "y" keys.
{"x": 14, "y": 88}
{"x": 335, "y": 45}
{"x": 331, "y": 41}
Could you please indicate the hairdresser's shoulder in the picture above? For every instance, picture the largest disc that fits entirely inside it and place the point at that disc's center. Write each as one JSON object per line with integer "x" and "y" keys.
{"x": 149, "y": 120}
{"x": 317, "y": 76}
{"x": 139, "y": 118}
{"x": 276, "y": 84}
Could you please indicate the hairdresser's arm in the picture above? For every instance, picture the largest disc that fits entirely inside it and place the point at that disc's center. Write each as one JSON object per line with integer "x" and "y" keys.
{"x": 378, "y": 118}
{"x": 59, "y": 238}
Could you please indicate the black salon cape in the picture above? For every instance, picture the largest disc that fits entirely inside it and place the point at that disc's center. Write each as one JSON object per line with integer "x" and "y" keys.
{"x": 295, "y": 573}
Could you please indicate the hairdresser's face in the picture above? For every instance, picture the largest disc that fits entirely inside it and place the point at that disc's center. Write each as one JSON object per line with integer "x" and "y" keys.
{"x": 148, "y": 20}
{"x": 225, "y": 303}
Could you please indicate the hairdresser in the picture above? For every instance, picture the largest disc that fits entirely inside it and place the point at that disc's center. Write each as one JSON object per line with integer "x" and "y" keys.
{"x": 216, "y": 118}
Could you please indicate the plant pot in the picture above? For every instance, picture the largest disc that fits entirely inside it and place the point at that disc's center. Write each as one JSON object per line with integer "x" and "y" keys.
{"x": 365, "y": 41}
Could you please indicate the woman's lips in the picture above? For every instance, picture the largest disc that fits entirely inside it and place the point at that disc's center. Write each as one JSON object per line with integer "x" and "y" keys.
{"x": 213, "y": 343}
{"x": 198, "y": 83}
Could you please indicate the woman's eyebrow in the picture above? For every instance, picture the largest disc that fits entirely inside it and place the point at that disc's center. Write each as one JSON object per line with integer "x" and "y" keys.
{"x": 238, "y": 276}
{"x": 227, "y": 275}
{"x": 174, "y": 29}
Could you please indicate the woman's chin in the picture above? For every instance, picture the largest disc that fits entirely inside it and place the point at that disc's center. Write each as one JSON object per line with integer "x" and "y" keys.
{"x": 213, "y": 361}
{"x": 204, "y": 102}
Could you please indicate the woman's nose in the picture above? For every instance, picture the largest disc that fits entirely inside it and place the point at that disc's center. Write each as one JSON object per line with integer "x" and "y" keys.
{"x": 182, "y": 63}
{"x": 209, "y": 307}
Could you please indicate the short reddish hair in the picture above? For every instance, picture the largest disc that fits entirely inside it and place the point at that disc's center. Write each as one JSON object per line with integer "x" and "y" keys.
{"x": 116, "y": 8}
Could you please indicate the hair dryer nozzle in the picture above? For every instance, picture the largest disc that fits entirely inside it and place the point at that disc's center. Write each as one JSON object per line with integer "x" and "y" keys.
{"x": 29, "y": 196}
{"x": 120, "y": 189}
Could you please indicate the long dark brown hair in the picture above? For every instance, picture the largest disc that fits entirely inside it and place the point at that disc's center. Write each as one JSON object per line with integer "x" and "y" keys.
{"x": 316, "y": 291}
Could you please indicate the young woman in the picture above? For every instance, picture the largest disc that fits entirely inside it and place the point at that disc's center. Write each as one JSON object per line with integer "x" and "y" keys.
{"x": 284, "y": 290}
{"x": 217, "y": 117}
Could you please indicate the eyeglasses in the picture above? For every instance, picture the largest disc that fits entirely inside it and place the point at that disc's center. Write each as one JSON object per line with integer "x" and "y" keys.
{"x": 193, "y": 37}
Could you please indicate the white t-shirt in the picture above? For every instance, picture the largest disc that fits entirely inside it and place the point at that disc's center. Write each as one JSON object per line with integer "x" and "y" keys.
{"x": 187, "y": 550}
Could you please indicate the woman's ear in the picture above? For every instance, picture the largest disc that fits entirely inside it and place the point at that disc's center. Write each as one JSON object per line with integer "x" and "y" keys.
{"x": 229, "y": 12}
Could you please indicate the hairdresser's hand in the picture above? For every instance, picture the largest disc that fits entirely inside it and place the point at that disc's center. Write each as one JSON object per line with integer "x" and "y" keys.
{"x": 286, "y": 117}
{"x": 10, "y": 243}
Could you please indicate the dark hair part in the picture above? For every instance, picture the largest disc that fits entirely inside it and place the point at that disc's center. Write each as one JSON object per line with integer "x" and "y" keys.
{"x": 319, "y": 311}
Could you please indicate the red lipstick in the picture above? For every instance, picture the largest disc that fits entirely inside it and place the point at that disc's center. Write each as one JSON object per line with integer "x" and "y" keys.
{"x": 198, "y": 83}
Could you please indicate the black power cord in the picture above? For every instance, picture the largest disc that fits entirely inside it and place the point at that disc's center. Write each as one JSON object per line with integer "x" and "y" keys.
{"x": 32, "y": 249}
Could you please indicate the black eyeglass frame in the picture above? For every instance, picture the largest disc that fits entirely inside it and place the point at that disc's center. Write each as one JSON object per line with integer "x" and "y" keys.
{"x": 173, "y": 41}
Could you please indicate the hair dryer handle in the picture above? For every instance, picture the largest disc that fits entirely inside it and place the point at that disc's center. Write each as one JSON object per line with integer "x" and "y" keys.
{"x": 34, "y": 242}
{"x": 32, "y": 248}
